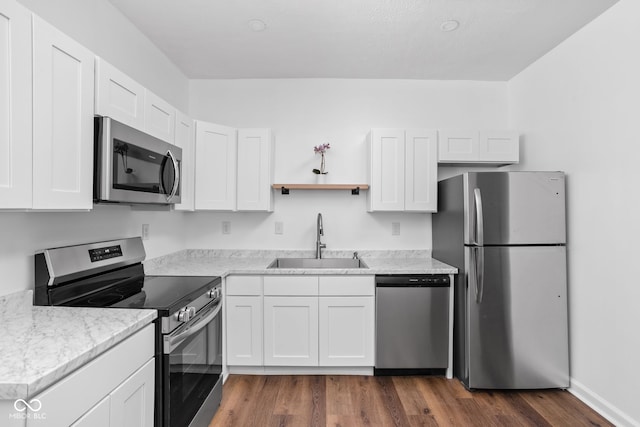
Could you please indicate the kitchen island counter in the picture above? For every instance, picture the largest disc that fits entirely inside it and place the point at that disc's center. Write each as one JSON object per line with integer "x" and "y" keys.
{"x": 217, "y": 262}
{"x": 41, "y": 345}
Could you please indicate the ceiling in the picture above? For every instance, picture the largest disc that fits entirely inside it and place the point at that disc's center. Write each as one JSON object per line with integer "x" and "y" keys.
{"x": 389, "y": 39}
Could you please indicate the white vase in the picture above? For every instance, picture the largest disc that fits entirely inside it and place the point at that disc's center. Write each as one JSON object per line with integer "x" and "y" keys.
{"x": 321, "y": 178}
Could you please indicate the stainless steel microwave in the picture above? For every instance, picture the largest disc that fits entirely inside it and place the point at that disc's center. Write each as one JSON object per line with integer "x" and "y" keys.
{"x": 133, "y": 167}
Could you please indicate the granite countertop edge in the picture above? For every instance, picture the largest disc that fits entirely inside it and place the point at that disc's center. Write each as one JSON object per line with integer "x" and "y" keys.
{"x": 42, "y": 345}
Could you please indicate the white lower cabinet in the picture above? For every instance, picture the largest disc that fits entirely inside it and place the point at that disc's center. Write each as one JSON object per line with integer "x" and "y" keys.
{"x": 290, "y": 331}
{"x": 325, "y": 321}
{"x": 115, "y": 389}
{"x": 346, "y": 335}
{"x": 243, "y": 305}
{"x": 244, "y": 330}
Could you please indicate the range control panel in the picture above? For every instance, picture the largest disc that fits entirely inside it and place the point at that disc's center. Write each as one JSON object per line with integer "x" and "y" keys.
{"x": 107, "y": 252}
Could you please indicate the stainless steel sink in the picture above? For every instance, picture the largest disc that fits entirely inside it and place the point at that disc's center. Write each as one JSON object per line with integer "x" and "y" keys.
{"x": 317, "y": 263}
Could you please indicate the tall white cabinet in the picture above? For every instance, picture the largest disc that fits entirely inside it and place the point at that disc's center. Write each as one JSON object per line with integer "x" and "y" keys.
{"x": 46, "y": 115}
{"x": 63, "y": 86}
{"x": 403, "y": 170}
{"x": 15, "y": 106}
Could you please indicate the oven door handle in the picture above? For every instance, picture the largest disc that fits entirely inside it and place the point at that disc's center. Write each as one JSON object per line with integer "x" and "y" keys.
{"x": 173, "y": 341}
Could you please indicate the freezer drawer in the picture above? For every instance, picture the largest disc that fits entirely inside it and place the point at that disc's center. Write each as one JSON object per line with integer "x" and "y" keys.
{"x": 412, "y": 326}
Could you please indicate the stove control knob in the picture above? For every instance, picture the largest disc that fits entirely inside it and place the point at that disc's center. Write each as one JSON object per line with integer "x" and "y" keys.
{"x": 215, "y": 293}
{"x": 183, "y": 315}
{"x": 192, "y": 312}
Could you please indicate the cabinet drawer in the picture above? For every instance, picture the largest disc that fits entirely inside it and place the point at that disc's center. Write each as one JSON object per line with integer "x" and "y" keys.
{"x": 244, "y": 285}
{"x": 347, "y": 285}
{"x": 291, "y": 285}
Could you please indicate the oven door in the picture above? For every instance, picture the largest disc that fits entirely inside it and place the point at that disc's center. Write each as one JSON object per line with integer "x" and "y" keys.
{"x": 192, "y": 370}
{"x": 134, "y": 167}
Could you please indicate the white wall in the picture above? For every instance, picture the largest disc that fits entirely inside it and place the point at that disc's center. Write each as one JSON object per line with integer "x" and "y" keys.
{"x": 101, "y": 28}
{"x": 306, "y": 112}
{"x": 578, "y": 110}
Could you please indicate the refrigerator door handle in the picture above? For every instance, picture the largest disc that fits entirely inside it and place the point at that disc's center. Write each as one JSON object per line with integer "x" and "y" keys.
{"x": 479, "y": 274}
{"x": 477, "y": 197}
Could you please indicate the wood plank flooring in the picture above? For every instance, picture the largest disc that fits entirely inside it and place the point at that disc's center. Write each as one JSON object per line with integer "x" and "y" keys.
{"x": 411, "y": 401}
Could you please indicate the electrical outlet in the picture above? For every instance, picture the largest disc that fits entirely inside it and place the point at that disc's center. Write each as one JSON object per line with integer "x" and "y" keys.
{"x": 395, "y": 228}
{"x": 226, "y": 227}
{"x": 145, "y": 231}
{"x": 279, "y": 227}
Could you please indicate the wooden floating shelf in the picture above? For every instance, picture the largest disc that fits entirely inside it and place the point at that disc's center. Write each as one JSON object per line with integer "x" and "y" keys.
{"x": 355, "y": 188}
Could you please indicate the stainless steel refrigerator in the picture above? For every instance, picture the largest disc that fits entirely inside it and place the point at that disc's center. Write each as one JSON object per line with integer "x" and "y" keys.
{"x": 506, "y": 233}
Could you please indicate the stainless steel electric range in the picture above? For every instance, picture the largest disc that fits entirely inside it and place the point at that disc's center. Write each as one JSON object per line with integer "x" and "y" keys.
{"x": 189, "y": 325}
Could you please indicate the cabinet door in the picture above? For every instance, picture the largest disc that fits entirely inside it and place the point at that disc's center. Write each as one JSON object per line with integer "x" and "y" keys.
{"x": 386, "y": 169}
{"x": 132, "y": 402}
{"x": 118, "y": 96}
{"x": 244, "y": 330}
{"x": 159, "y": 117}
{"x": 457, "y": 146}
{"x": 98, "y": 416}
{"x": 254, "y": 170}
{"x": 215, "y": 167}
{"x": 15, "y": 106}
{"x": 290, "y": 331}
{"x": 63, "y": 86}
{"x": 346, "y": 331}
{"x": 499, "y": 146}
{"x": 185, "y": 139}
{"x": 421, "y": 170}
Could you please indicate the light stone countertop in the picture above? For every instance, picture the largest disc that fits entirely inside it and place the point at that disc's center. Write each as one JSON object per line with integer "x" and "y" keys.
{"x": 41, "y": 345}
{"x": 220, "y": 262}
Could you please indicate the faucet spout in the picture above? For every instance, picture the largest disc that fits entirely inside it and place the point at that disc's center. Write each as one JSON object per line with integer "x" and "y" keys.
{"x": 319, "y": 232}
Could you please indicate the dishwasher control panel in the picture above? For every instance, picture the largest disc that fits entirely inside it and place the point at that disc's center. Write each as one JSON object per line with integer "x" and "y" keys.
{"x": 429, "y": 280}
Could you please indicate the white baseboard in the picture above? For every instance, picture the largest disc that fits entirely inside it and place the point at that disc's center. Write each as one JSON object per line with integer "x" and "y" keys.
{"x": 601, "y": 406}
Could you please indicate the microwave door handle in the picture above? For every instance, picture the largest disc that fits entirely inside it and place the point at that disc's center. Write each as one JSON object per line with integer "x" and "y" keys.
{"x": 176, "y": 180}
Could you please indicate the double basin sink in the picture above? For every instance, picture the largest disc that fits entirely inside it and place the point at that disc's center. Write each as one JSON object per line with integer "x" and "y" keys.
{"x": 317, "y": 263}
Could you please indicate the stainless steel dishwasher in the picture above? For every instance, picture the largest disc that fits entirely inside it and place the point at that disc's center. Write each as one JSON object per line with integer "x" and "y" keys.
{"x": 412, "y": 324}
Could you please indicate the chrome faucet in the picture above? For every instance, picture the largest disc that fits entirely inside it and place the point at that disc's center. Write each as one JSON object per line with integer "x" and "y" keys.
{"x": 319, "y": 232}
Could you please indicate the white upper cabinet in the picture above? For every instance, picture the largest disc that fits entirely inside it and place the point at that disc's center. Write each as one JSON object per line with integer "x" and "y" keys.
{"x": 185, "y": 139}
{"x": 119, "y": 96}
{"x": 402, "y": 170}
{"x": 387, "y": 156}
{"x": 123, "y": 99}
{"x": 63, "y": 88}
{"x": 254, "y": 170}
{"x": 159, "y": 117}
{"x": 233, "y": 168}
{"x": 499, "y": 146}
{"x": 421, "y": 170}
{"x": 478, "y": 147}
{"x": 15, "y": 106}
{"x": 215, "y": 177}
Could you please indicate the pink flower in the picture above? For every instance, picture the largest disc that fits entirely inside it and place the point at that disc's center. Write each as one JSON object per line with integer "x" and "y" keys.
{"x": 321, "y": 148}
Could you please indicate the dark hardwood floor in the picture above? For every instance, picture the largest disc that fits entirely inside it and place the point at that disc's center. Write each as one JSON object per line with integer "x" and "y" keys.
{"x": 410, "y": 401}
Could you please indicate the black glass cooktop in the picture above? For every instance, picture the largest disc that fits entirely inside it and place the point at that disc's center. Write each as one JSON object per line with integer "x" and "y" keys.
{"x": 168, "y": 294}
{"x": 128, "y": 288}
